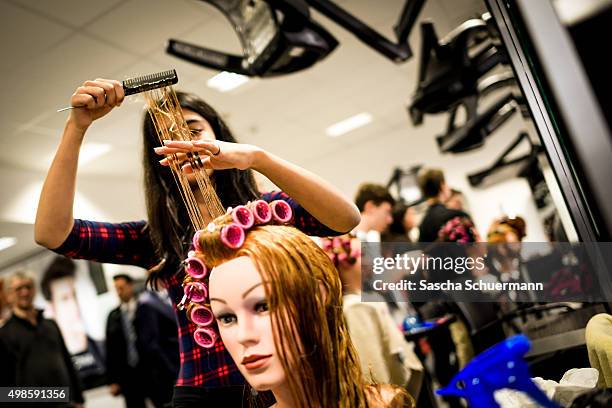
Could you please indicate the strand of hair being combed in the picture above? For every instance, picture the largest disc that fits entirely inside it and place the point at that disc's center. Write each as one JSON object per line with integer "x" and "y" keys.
{"x": 167, "y": 116}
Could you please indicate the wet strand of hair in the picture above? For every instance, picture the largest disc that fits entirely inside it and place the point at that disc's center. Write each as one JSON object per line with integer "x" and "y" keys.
{"x": 167, "y": 116}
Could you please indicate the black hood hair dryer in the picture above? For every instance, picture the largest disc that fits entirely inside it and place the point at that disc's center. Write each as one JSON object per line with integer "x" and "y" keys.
{"x": 450, "y": 68}
{"x": 277, "y": 36}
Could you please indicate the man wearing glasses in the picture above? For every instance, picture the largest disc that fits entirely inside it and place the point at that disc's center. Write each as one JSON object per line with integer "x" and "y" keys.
{"x": 32, "y": 350}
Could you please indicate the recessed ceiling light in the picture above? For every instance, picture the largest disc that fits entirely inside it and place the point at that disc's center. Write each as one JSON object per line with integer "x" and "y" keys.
{"x": 226, "y": 81}
{"x": 7, "y": 242}
{"x": 90, "y": 151}
{"x": 349, "y": 124}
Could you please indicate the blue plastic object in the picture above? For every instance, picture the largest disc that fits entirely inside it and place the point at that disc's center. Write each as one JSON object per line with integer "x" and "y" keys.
{"x": 501, "y": 366}
{"x": 413, "y": 324}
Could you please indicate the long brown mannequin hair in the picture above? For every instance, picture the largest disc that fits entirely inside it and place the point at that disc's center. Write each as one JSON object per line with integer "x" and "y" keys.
{"x": 305, "y": 301}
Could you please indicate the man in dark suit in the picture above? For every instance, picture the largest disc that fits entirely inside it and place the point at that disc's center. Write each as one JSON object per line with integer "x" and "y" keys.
{"x": 142, "y": 346}
{"x": 158, "y": 348}
{"x": 124, "y": 370}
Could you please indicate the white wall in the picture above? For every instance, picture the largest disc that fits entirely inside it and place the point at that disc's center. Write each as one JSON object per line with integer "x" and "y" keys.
{"x": 98, "y": 198}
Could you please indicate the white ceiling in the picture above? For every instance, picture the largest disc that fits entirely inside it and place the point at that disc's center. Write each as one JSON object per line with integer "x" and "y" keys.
{"x": 50, "y": 47}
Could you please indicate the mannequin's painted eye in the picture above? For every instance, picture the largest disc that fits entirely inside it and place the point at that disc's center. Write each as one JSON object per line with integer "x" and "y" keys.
{"x": 226, "y": 319}
{"x": 262, "y": 307}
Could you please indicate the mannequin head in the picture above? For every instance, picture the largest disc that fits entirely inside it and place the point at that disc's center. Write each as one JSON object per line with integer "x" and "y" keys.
{"x": 277, "y": 302}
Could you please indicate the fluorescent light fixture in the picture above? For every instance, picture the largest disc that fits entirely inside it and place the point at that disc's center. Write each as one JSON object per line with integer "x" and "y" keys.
{"x": 90, "y": 151}
{"x": 349, "y": 124}
{"x": 226, "y": 81}
{"x": 7, "y": 242}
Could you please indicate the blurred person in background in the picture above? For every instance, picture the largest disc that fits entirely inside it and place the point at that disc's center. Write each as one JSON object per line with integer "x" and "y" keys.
{"x": 385, "y": 356}
{"x": 456, "y": 200}
{"x": 375, "y": 204}
{"x": 5, "y": 304}
{"x": 435, "y": 190}
{"x": 504, "y": 253}
{"x": 32, "y": 350}
{"x": 157, "y": 345}
{"x": 404, "y": 221}
{"x": 58, "y": 287}
{"x": 124, "y": 371}
{"x": 142, "y": 346}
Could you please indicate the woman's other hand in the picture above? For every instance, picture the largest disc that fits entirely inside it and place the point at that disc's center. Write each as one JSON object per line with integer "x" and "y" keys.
{"x": 214, "y": 154}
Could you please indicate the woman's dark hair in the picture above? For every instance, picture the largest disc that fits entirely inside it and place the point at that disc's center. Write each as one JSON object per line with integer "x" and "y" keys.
{"x": 60, "y": 267}
{"x": 397, "y": 226}
{"x": 168, "y": 221}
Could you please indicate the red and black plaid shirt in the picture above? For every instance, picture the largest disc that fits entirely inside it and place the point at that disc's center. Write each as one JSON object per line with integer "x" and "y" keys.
{"x": 130, "y": 243}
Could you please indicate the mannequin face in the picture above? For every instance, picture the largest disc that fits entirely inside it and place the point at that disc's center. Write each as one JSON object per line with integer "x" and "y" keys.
{"x": 240, "y": 306}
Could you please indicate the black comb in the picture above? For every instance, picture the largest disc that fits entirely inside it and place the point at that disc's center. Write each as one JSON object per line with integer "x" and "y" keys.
{"x": 144, "y": 83}
{"x": 147, "y": 82}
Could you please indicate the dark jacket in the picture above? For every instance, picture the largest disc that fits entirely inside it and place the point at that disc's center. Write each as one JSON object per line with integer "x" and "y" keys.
{"x": 157, "y": 343}
{"x": 117, "y": 369}
{"x": 36, "y": 356}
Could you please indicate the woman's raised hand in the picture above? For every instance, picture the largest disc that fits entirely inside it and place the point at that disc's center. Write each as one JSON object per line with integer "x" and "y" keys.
{"x": 214, "y": 154}
{"x": 93, "y": 100}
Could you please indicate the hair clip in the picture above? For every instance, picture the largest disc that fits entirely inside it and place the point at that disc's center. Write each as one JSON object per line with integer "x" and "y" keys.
{"x": 195, "y": 291}
{"x": 196, "y": 241}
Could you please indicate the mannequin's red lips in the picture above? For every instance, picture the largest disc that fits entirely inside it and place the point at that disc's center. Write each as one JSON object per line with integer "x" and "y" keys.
{"x": 255, "y": 361}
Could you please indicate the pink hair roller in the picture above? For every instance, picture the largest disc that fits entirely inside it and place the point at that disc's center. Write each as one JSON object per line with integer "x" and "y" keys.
{"x": 243, "y": 217}
{"x": 195, "y": 268}
{"x": 201, "y": 315}
{"x": 205, "y": 337}
{"x": 261, "y": 212}
{"x": 196, "y": 241}
{"x": 195, "y": 291}
{"x": 281, "y": 211}
{"x": 232, "y": 236}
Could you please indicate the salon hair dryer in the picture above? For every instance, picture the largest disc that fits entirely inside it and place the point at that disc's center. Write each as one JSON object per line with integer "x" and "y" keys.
{"x": 501, "y": 366}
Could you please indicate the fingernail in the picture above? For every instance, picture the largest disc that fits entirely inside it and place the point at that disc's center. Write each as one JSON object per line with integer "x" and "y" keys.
{"x": 167, "y": 141}
{"x": 163, "y": 162}
{"x": 157, "y": 149}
